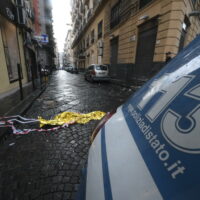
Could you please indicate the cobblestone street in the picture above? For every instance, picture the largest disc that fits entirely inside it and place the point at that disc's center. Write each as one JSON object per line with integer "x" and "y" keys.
{"x": 46, "y": 166}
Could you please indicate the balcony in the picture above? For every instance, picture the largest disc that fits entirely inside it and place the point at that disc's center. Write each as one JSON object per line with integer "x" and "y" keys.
{"x": 126, "y": 5}
{"x": 95, "y": 3}
{"x": 89, "y": 14}
{"x": 144, "y": 3}
{"x": 81, "y": 55}
{"x": 115, "y": 15}
{"x": 77, "y": 23}
{"x": 122, "y": 10}
{"x": 88, "y": 19}
{"x": 81, "y": 8}
{"x": 75, "y": 4}
{"x": 46, "y": 20}
{"x": 83, "y": 22}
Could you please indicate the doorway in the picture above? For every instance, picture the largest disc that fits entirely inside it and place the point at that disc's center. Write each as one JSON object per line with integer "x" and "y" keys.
{"x": 114, "y": 56}
{"x": 145, "y": 49}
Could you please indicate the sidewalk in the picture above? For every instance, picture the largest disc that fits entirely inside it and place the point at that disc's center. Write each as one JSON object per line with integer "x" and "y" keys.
{"x": 21, "y": 107}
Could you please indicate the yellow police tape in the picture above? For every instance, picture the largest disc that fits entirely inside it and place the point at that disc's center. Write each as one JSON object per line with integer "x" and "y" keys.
{"x": 72, "y": 117}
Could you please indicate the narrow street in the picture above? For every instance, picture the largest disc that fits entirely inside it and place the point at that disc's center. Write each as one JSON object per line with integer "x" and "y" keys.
{"x": 46, "y": 166}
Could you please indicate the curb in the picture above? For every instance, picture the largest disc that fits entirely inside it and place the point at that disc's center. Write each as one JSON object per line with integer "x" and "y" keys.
{"x": 21, "y": 109}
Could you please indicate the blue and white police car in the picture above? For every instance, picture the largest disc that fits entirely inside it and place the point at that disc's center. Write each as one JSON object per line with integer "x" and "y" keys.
{"x": 150, "y": 148}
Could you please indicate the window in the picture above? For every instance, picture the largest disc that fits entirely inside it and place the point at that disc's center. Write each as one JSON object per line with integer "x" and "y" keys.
{"x": 144, "y": 3}
{"x": 185, "y": 27}
{"x": 194, "y": 1}
{"x": 92, "y": 37}
{"x": 115, "y": 16}
{"x": 11, "y": 49}
{"x": 101, "y": 67}
{"x": 85, "y": 44}
{"x": 100, "y": 29}
{"x": 88, "y": 41}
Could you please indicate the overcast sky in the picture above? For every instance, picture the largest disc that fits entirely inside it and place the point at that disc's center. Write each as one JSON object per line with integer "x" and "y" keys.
{"x": 61, "y": 17}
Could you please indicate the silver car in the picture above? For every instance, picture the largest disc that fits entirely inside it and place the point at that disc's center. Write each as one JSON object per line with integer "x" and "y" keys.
{"x": 97, "y": 72}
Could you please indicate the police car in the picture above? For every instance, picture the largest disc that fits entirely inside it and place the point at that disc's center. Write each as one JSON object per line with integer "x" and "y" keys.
{"x": 150, "y": 148}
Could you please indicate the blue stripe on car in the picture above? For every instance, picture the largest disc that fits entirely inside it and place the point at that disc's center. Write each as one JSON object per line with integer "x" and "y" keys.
{"x": 106, "y": 176}
{"x": 81, "y": 194}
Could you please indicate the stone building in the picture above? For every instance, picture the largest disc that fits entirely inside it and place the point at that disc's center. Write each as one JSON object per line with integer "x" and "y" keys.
{"x": 16, "y": 28}
{"x": 43, "y": 27}
{"x": 18, "y": 47}
{"x": 68, "y": 53}
{"x": 132, "y": 36}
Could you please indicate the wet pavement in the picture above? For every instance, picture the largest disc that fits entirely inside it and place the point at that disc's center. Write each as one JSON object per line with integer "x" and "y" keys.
{"x": 46, "y": 166}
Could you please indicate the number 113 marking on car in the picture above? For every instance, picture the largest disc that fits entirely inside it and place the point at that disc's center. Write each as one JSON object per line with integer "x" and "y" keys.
{"x": 188, "y": 139}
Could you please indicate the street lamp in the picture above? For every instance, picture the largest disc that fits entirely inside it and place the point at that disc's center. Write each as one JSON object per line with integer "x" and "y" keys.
{"x": 195, "y": 13}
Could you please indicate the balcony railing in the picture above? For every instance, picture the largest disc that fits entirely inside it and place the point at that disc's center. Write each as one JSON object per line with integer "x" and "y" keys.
{"x": 115, "y": 15}
{"x": 144, "y": 3}
{"x": 89, "y": 13}
{"x": 81, "y": 8}
{"x": 122, "y": 10}
{"x": 126, "y": 5}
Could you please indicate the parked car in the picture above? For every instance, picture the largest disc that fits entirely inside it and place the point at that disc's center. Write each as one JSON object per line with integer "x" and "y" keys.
{"x": 97, "y": 72}
{"x": 74, "y": 70}
{"x": 149, "y": 148}
{"x": 65, "y": 67}
{"x": 69, "y": 68}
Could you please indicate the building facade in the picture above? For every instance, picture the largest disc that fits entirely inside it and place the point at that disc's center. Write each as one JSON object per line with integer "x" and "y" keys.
{"x": 87, "y": 18}
{"x": 68, "y": 57}
{"x": 132, "y": 36}
{"x": 44, "y": 28}
{"x": 16, "y": 23}
{"x": 18, "y": 53}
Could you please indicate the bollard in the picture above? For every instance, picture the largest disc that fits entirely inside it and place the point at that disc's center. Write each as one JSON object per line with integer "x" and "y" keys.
{"x": 40, "y": 74}
{"x": 20, "y": 81}
{"x": 33, "y": 77}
